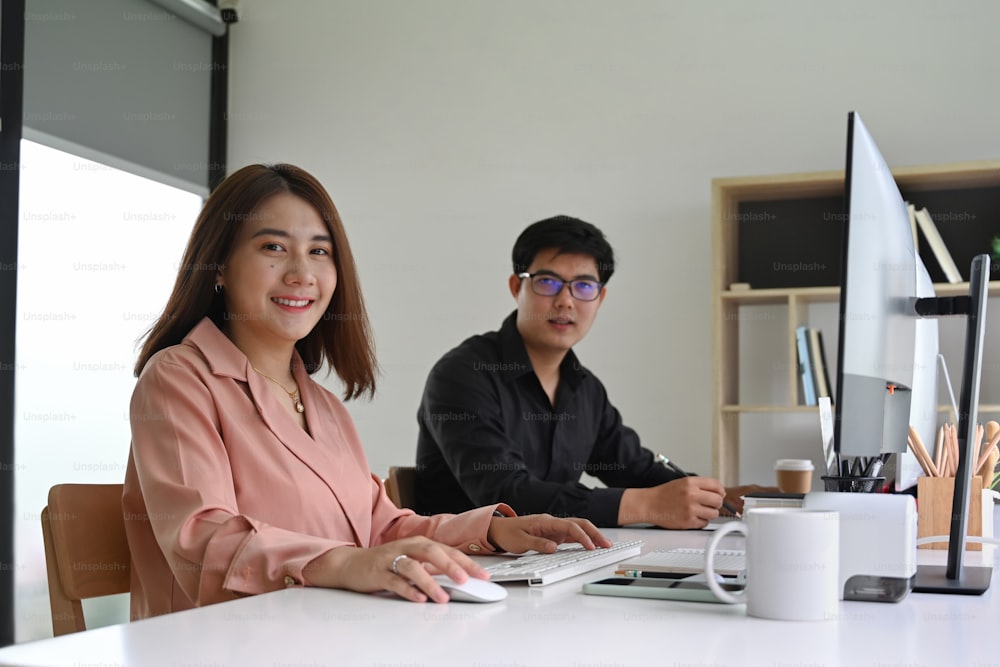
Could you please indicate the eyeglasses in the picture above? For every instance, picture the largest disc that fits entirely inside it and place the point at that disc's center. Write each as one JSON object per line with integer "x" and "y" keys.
{"x": 546, "y": 284}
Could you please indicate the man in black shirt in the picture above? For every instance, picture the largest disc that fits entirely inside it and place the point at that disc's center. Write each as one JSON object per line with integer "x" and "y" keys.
{"x": 512, "y": 416}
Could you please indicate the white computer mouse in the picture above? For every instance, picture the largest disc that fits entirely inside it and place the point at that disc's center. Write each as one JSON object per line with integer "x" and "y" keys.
{"x": 473, "y": 590}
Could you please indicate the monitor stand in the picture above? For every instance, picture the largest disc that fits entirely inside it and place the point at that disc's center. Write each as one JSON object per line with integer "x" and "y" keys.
{"x": 934, "y": 579}
{"x": 954, "y": 579}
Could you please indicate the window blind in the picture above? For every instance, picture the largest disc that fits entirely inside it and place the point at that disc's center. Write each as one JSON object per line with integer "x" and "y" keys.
{"x": 122, "y": 82}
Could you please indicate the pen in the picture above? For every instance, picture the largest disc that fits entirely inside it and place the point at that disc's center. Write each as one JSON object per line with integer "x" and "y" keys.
{"x": 875, "y": 465}
{"x": 826, "y": 433}
{"x": 660, "y": 458}
{"x": 647, "y": 574}
{"x": 856, "y": 467}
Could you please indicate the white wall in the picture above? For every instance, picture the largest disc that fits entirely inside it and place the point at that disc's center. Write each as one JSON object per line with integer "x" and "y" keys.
{"x": 442, "y": 128}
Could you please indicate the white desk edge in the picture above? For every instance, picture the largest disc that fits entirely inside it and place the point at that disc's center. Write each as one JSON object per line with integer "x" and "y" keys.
{"x": 554, "y": 624}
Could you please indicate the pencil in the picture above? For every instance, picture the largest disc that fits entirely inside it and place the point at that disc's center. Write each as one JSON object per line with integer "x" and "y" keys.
{"x": 992, "y": 430}
{"x": 939, "y": 449}
{"x": 976, "y": 446}
{"x": 953, "y": 463}
{"x": 921, "y": 453}
{"x": 993, "y": 444}
{"x": 995, "y": 440}
{"x": 983, "y": 458}
{"x": 952, "y": 447}
{"x": 920, "y": 459}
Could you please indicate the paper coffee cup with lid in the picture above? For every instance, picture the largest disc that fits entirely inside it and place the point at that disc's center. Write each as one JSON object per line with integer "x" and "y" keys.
{"x": 794, "y": 475}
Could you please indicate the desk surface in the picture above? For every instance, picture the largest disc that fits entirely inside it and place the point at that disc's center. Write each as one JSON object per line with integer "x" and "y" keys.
{"x": 551, "y": 625}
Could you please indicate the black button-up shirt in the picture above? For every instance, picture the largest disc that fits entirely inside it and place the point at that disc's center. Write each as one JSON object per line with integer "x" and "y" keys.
{"x": 489, "y": 434}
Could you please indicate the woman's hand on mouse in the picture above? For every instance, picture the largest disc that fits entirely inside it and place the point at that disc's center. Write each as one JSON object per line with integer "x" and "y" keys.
{"x": 403, "y": 567}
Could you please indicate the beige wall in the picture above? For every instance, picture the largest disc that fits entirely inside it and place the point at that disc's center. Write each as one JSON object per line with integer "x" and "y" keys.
{"x": 442, "y": 128}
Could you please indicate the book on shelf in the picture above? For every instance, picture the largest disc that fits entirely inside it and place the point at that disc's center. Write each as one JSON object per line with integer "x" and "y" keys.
{"x": 820, "y": 375}
{"x": 813, "y": 369}
{"x": 944, "y": 258}
{"x": 805, "y": 365}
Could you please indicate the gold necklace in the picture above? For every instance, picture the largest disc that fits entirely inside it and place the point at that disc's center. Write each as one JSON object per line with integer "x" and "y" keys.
{"x": 294, "y": 395}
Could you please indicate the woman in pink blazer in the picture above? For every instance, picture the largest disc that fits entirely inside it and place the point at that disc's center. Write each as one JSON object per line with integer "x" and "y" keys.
{"x": 245, "y": 475}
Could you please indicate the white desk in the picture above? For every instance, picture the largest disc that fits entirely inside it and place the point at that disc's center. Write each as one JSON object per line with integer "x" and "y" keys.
{"x": 552, "y": 625}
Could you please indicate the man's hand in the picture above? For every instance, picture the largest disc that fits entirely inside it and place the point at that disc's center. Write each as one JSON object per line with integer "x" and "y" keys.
{"x": 688, "y": 502}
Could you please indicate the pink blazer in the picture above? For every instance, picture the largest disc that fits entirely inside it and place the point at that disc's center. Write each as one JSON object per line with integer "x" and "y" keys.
{"x": 226, "y": 495}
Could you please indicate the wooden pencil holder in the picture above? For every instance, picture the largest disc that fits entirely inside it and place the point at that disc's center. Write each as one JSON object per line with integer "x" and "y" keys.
{"x": 934, "y": 500}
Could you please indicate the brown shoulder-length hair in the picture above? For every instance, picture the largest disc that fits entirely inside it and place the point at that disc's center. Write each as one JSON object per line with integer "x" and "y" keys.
{"x": 342, "y": 337}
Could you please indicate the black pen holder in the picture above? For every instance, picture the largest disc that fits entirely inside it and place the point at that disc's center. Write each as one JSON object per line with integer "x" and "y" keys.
{"x": 852, "y": 484}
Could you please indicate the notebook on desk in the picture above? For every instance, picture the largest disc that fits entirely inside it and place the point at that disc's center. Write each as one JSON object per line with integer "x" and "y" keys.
{"x": 728, "y": 562}
{"x": 568, "y": 560}
{"x": 711, "y": 525}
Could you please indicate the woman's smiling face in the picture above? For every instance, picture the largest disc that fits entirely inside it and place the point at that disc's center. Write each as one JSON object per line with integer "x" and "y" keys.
{"x": 280, "y": 276}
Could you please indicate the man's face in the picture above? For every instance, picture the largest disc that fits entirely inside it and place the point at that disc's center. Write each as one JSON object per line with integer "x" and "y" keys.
{"x": 554, "y": 324}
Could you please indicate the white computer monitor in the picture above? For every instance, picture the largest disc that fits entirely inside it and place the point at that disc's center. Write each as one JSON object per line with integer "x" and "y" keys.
{"x": 888, "y": 347}
{"x": 886, "y": 361}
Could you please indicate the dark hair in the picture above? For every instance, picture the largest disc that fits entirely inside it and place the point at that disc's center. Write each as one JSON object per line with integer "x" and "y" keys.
{"x": 567, "y": 236}
{"x": 342, "y": 337}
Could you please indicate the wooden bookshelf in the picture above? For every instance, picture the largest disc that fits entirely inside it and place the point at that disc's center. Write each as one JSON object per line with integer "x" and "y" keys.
{"x": 803, "y": 210}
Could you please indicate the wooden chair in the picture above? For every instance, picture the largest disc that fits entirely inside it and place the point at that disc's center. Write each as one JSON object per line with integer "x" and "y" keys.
{"x": 401, "y": 486}
{"x": 86, "y": 552}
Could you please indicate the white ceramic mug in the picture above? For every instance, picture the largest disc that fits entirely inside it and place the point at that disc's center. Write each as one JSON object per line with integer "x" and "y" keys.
{"x": 792, "y": 561}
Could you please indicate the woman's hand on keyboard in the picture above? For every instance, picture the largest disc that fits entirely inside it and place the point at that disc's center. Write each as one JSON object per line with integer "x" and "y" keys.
{"x": 542, "y": 533}
{"x": 688, "y": 502}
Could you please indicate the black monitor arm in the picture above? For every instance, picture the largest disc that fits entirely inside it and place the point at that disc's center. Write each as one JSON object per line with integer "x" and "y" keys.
{"x": 943, "y": 306}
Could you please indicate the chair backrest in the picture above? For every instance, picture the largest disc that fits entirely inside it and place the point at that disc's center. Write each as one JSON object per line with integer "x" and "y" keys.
{"x": 401, "y": 486}
{"x": 86, "y": 551}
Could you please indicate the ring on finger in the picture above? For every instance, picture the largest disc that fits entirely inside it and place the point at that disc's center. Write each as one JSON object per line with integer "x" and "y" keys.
{"x": 395, "y": 563}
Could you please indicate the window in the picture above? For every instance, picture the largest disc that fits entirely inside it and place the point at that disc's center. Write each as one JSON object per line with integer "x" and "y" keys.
{"x": 98, "y": 252}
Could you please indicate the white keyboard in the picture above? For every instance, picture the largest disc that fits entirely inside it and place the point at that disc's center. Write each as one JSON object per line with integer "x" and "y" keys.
{"x": 568, "y": 560}
{"x": 731, "y": 562}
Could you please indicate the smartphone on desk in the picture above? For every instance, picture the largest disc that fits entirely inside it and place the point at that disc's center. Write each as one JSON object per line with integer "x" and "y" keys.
{"x": 657, "y": 588}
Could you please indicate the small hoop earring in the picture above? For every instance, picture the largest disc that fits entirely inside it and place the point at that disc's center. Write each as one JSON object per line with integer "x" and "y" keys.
{"x": 218, "y": 288}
